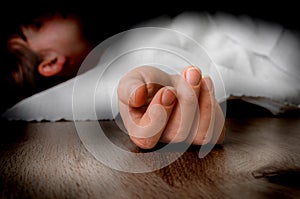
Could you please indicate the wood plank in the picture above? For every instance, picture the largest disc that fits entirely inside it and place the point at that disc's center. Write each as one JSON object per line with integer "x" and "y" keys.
{"x": 259, "y": 159}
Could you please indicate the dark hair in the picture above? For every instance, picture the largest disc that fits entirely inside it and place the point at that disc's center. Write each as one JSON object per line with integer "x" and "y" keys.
{"x": 17, "y": 73}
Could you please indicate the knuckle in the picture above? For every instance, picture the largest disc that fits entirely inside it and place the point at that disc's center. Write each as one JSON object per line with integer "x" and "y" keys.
{"x": 190, "y": 100}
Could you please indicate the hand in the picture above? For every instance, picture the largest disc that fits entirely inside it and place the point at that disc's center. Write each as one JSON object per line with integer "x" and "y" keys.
{"x": 156, "y": 106}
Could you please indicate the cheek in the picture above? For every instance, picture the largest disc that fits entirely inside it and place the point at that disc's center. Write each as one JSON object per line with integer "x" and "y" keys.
{"x": 76, "y": 49}
{"x": 72, "y": 40}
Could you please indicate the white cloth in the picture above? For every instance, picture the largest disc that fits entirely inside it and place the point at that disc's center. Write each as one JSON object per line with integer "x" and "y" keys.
{"x": 258, "y": 62}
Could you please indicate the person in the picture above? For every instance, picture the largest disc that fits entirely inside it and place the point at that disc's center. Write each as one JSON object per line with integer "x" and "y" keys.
{"x": 46, "y": 49}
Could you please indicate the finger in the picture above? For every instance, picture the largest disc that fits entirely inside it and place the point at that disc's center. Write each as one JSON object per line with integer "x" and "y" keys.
{"x": 132, "y": 90}
{"x": 181, "y": 120}
{"x": 193, "y": 76}
{"x": 145, "y": 131}
{"x": 207, "y": 117}
{"x": 137, "y": 87}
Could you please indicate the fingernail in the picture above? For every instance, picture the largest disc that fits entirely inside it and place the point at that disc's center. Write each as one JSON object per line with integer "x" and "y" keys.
{"x": 193, "y": 76}
{"x": 168, "y": 96}
{"x": 208, "y": 84}
{"x": 138, "y": 96}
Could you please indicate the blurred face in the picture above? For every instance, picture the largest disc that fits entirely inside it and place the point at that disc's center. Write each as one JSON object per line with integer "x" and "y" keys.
{"x": 61, "y": 43}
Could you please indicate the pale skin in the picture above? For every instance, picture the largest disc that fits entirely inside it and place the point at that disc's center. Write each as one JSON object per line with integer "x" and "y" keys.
{"x": 138, "y": 95}
{"x": 164, "y": 112}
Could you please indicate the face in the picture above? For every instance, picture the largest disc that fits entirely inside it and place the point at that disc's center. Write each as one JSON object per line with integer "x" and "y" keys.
{"x": 60, "y": 41}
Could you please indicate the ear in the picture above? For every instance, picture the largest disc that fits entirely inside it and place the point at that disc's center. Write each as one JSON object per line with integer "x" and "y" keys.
{"x": 52, "y": 64}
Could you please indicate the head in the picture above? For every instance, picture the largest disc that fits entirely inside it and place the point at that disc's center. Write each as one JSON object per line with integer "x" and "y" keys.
{"x": 58, "y": 41}
{"x": 42, "y": 51}
{"x": 44, "y": 42}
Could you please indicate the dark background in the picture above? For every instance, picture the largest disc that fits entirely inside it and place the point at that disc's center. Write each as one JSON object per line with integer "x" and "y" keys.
{"x": 121, "y": 16}
{"x": 128, "y": 13}
{"x": 118, "y": 16}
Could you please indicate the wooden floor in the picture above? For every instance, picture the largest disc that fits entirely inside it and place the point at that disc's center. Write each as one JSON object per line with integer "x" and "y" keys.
{"x": 260, "y": 158}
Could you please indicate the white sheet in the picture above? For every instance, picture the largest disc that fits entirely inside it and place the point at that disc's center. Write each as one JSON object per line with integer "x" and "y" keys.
{"x": 247, "y": 58}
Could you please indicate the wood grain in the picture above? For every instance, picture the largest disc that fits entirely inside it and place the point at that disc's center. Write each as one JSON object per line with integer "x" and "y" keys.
{"x": 259, "y": 159}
